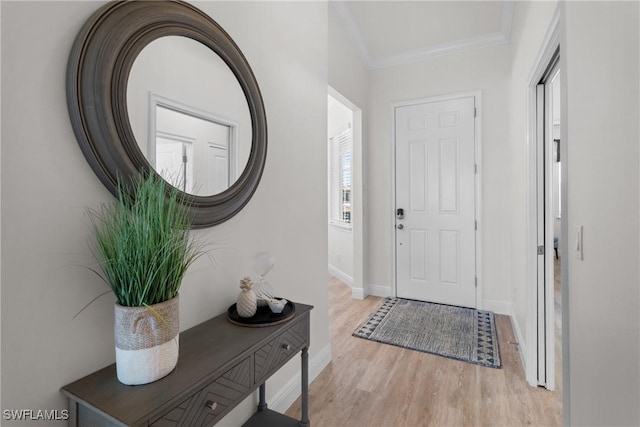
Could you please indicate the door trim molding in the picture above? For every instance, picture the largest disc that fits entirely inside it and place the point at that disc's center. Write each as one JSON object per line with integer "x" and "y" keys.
{"x": 548, "y": 48}
{"x": 477, "y": 95}
{"x": 358, "y": 290}
{"x": 156, "y": 100}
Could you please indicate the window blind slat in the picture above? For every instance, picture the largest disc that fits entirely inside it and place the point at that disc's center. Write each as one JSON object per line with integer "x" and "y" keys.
{"x": 340, "y": 176}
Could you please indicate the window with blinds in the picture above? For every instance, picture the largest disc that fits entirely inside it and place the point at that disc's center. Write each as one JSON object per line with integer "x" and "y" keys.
{"x": 340, "y": 164}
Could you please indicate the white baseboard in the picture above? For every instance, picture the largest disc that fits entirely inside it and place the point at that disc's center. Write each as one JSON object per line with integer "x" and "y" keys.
{"x": 288, "y": 394}
{"x": 503, "y": 307}
{"x": 378, "y": 290}
{"x": 498, "y": 307}
{"x": 357, "y": 293}
{"x": 340, "y": 275}
{"x": 522, "y": 347}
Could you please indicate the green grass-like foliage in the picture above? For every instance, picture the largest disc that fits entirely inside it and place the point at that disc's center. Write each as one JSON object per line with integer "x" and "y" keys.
{"x": 143, "y": 243}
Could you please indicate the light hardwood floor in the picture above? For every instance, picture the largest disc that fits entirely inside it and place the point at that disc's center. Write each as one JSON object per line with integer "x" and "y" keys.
{"x": 368, "y": 384}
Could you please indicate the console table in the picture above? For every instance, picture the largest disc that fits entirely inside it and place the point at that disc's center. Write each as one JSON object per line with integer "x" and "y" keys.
{"x": 220, "y": 364}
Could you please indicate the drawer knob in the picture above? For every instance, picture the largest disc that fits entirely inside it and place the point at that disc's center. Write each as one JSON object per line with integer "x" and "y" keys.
{"x": 286, "y": 346}
{"x": 212, "y": 405}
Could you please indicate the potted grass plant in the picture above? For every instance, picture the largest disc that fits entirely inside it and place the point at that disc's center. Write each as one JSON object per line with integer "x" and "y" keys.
{"x": 144, "y": 249}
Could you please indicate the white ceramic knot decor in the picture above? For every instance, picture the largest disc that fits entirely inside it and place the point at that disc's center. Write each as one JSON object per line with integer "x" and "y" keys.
{"x": 277, "y": 305}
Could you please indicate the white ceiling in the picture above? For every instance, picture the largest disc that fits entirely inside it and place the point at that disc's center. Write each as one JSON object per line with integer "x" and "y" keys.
{"x": 393, "y": 32}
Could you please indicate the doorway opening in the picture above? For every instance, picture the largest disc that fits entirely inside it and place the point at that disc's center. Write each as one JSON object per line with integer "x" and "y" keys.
{"x": 345, "y": 195}
{"x": 547, "y": 212}
{"x": 548, "y": 226}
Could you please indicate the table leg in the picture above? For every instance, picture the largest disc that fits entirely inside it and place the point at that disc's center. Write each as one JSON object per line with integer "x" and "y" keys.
{"x": 304, "y": 398}
{"x": 73, "y": 413}
{"x": 262, "y": 402}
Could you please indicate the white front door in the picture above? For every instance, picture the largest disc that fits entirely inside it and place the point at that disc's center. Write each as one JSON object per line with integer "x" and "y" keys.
{"x": 435, "y": 202}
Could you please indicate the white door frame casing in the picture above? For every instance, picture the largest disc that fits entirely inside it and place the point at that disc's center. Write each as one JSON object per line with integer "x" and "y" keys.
{"x": 357, "y": 193}
{"x": 156, "y": 100}
{"x": 529, "y": 352}
{"x": 477, "y": 95}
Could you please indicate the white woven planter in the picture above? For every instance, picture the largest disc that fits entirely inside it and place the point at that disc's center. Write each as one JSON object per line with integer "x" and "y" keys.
{"x": 146, "y": 341}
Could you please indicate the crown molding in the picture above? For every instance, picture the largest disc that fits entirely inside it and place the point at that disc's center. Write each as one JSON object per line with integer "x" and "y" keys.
{"x": 506, "y": 19}
{"x": 458, "y": 46}
{"x": 499, "y": 38}
{"x": 352, "y": 30}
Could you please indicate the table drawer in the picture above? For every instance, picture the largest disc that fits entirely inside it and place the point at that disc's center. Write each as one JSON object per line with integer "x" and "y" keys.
{"x": 276, "y": 352}
{"x": 212, "y": 402}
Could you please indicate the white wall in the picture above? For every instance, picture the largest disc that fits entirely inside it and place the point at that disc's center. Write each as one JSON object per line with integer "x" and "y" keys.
{"x": 600, "y": 80}
{"x": 486, "y": 70}
{"x": 47, "y": 184}
{"x": 0, "y": 207}
{"x": 347, "y": 73}
{"x": 601, "y": 45}
{"x": 339, "y": 118}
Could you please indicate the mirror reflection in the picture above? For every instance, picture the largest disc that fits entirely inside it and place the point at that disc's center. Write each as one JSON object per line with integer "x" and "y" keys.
{"x": 189, "y": 115}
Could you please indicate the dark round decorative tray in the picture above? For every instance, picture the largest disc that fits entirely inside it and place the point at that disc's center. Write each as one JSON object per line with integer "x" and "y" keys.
{"x": 263, "y": 317}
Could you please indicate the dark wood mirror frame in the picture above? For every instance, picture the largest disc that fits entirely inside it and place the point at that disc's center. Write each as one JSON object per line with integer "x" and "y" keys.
{"x": 97, "y": 74}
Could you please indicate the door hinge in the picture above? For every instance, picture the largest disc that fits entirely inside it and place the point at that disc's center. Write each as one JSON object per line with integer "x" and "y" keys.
{"x": 540, "y": 250}
{"x": 476, "y": 225}
{"x": 475, "y": 168}
{"x": 476, "y": 282}
{"x": 475, "y": 111}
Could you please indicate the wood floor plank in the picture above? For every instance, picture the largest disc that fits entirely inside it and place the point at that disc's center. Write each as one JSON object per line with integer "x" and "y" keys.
{"x": 369, "y": 384}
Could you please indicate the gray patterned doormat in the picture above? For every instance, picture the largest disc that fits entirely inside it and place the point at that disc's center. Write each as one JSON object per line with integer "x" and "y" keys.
{"x": 455, "y": 332}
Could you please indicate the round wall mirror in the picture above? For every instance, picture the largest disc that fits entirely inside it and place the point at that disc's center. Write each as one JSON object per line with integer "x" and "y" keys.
{"x": 159, "y": 87}
{"x": 189, "y": 115}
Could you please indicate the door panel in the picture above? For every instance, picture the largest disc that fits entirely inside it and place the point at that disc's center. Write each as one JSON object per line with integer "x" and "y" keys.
{"x": 418, "y": 253}
{"x": 435, "y": 186}
{"x": 449, "y": 173}
{"x": 418, "y": 181}
{"x": 218, "y": 169}
{"x": 540, "y": 182}
{"x": 449, "y": 257}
